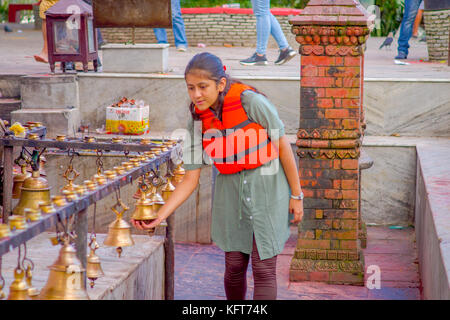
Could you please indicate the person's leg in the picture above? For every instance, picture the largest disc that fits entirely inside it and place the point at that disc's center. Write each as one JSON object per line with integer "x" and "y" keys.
{"x": 261, "y": 10}
{"x": 277, "y": 33}
{"x": 179, "y": 32}
{"x": 409, "y": 15}
{"x": 264, "y": 276}
{"x": 160, "y": 34}
{"x": 235, "y": 278}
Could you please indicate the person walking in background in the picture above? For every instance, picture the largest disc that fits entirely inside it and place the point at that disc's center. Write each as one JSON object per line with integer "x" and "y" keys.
{"x": 406, "y": 27}
{"x": 267, "y": 24}
{"x": 179, "y": 33}
{"x": 415, "y": 32}
{"x": 44, "y": 6}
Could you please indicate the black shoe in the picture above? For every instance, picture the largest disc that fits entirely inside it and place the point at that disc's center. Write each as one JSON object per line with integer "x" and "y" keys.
{"x": 285, "y": 55}
{"x": 401, "y": 55}
{"x": 255, "y": 59}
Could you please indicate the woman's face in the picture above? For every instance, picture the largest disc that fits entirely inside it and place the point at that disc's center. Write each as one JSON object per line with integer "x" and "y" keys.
{"x": 204, "y": 92}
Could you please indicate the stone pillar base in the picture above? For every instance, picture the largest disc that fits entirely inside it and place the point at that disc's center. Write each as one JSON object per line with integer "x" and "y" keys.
{"x": 329, "y": 271}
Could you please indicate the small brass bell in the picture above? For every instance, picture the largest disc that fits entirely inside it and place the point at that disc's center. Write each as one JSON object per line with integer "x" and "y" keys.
{"x": 145, "y": 211}
{"x": 5, "y": 232}
{"x": 119, "y": 170}
{"x": 19, "y": 288}
{"x": 33, "y": 293}
{"x": 90, "y": 185}
{"x": 119, "y": 231}
{"x": 34, "y": 190}
{"x": 156, "y": 198}
{"x": 110, "y": 174}
{"x": 167, "y": 189}
{"x": 65, "y": 281}
{"x": 127, "y": 165}
{"x": 70, "y": 195}
{"x": 47, "y": 208}
{"x": 59, "y": 200}
{"x": 136, "y": 162}
{"x": 32, "y": 215}
{"x": 80, "y": 190}
{"x": 100, "y": 178}
{"x": 17, "y": 222}
{"x": 93, "y": 267}
{"x": 179, "y": 173}
{"x": 18, "y": 181}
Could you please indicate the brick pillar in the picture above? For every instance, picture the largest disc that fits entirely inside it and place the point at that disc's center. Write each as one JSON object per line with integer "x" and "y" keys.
{"x": 332, "y": 36}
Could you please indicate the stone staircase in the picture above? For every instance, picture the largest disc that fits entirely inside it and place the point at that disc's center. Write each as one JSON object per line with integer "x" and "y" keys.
{"x": 50, "y": 99}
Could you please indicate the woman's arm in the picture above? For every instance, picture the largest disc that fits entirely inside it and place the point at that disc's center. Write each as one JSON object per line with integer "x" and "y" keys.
{"x": 290, "y": 169}
{"x": 183, "y": 190}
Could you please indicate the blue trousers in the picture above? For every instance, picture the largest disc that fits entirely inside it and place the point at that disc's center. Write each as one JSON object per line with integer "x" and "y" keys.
{"x": 177, "y": 27}
{"x": 406, "y": 27}
{"x": 267, "y": 24}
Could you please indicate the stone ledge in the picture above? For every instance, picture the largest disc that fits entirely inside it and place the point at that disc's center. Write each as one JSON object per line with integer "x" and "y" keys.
{"x": 432, "y": 218}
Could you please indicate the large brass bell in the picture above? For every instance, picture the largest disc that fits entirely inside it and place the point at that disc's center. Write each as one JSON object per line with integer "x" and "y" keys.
{"x": 19, "y": 288}
{"x": 33, "y": 191}
{"x": 144, "y": 210}
{"x": 93, "y": 267}
{"x": 18, "y": 181}
{"x": 65, "y": 281}
{"x": 119, "y": 231}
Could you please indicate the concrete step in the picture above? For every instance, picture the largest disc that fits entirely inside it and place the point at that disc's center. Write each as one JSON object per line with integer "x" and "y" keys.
{"x": 10, "y": 86}
{"x": 49, "y": 91}
{"x": 7, "y": 105}
{"x": 58, "y": 121}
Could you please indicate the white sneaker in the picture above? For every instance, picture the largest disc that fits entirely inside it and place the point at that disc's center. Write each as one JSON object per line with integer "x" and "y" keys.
{"x": 181, "y": 48}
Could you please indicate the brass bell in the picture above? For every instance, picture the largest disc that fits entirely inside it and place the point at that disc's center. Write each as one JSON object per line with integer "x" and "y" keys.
{"x": 70, "y": 195}
{"x": 110, "y": 174}
{"x": 47, "y": 208}
{"x": 100, "y": 178}
{"x": 116, "y": 140}
{"x": 5, "y": 232}
{"x": 59, "y": 200}
{"x": 33, "y": 293}
{"x": 65, "y": 281}
{"x": 156, "y": 198}
{"x": 17, "y": 222}
{"x": 136, "y": 162}
{"x": 167, "y": 189}
{"x": 93, "y": 267}
{"x": 145, "y": 211}
{"x": 80, "y": 190}
{"x": 32, "y": 215}
{"x": 138, "y": 193}
{"x": 90, "y": 185}
{"x": 61, "y": 137}
{"x": 179, "y": 173}
{"x": 18, "y": 181}
{"x": 127, "y": 165}
{"x": 119, "y": 231}
{"x": 145, "y": 141}
{"x": 149, "y": 155}
{"x": 19, "y": 288}
{"x": 34, "y": 190}
{"x": 119, "y": 170}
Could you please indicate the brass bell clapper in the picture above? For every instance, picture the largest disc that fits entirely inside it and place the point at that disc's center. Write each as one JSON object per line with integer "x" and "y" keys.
{"x": 93, "y": 267}
{"x": 119, "y": 231}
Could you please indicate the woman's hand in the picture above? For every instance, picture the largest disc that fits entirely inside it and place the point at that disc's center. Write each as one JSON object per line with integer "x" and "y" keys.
{"x": 296, "y": 207}
{"x": 141, "y": 225}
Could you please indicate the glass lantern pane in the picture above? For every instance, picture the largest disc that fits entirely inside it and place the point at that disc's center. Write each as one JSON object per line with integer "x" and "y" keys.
{"x": 91, "y": 36}
{"x": 66, "y": 39}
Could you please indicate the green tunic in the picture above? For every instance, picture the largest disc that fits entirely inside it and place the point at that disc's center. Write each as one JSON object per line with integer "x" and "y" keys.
{"x": 252, "y": 201}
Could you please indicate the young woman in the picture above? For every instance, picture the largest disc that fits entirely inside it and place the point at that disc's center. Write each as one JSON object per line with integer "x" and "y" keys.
{"x": 253, "y": 194}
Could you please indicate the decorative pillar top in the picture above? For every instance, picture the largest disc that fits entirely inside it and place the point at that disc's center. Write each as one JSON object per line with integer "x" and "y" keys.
{"x": 333, "y": 12}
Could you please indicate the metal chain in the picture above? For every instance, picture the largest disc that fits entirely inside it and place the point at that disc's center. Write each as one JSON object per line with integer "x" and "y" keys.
{"x": 99, "y": 161}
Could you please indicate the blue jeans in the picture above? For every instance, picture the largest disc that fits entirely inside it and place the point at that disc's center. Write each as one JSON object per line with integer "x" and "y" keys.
{"x": 266, "y": 24}
{"x": 177, "y": 26}
{"x": 409, "y": 15}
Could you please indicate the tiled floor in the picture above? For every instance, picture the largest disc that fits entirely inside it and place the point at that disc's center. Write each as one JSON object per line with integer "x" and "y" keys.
{"x": 199, "y": 271}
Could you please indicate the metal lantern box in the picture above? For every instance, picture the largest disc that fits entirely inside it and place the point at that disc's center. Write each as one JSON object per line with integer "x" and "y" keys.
{"x": 70, "y": 34}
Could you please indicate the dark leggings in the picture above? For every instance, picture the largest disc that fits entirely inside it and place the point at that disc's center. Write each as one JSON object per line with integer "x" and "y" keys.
{"x": 264, "y": 275}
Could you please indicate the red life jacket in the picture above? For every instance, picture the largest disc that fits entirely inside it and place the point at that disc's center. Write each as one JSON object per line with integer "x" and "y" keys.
{"x": 235, "y": 143}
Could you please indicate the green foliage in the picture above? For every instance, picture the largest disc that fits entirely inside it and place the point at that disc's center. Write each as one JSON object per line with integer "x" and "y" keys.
{"x": 391, "y": 12}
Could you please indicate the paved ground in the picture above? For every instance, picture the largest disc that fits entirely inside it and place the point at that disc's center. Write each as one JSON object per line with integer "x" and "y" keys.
{"x": 17, "y": 50}
{"x": 199, "y": 271}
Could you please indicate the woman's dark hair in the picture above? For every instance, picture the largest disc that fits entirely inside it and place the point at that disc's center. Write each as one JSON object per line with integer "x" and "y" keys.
{"x": 214, "y": 70}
